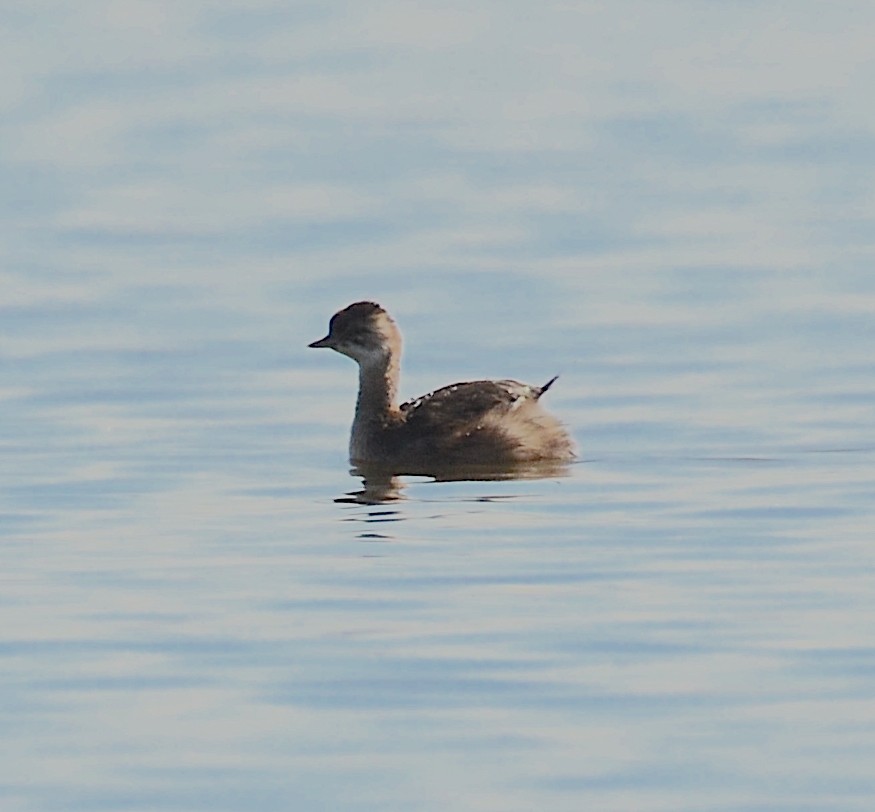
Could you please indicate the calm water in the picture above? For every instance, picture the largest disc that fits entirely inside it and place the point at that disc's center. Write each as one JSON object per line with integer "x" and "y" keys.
{"x": 671, "y": 209}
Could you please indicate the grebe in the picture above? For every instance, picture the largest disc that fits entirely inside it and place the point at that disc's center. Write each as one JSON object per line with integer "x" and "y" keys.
{"x": 477, "y": 423}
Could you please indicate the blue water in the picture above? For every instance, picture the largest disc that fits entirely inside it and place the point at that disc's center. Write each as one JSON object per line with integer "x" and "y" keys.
{"x": 668, "y": 207}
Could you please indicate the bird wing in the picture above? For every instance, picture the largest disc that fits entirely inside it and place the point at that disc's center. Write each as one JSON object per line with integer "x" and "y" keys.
{"x": 461, "y": 405}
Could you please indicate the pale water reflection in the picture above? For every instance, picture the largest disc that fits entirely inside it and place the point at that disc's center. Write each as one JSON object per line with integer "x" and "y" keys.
{"x": 667, "y": 204}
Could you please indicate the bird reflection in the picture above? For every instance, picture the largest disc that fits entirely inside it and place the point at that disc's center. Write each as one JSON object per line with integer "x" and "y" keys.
{"x": 378, "y": 488}
{"x": 382, "y": 485}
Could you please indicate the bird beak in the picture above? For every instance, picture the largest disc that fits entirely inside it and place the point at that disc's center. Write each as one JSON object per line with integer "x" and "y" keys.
{"x": 322, "y": 342}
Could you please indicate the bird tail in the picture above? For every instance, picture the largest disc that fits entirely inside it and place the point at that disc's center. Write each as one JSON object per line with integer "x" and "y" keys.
{"x": 546, "y": 386}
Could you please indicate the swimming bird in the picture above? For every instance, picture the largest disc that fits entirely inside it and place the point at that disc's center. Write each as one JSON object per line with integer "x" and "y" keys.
{"x": 489, "y": 423}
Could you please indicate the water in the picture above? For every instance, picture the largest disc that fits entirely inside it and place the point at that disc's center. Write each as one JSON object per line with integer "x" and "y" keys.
{"x": 670, "y": 208}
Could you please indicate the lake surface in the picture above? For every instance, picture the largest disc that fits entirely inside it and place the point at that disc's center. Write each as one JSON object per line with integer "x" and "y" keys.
{"x": 671, "y": 209}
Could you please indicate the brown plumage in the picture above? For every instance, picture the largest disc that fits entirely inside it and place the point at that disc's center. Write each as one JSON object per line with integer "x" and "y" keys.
{"x": 477, "y": 423}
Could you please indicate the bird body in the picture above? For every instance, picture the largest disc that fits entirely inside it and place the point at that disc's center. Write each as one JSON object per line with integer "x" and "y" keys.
{"x": 475, "y": 423}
